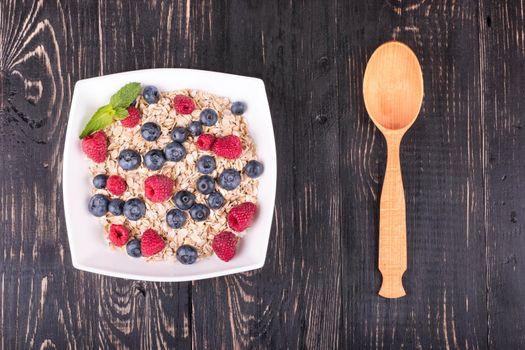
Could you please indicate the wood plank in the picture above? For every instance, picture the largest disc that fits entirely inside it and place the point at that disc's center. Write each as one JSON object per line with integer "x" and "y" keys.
{"x": 503, "y": 53}
{"x": 45, "y": 49}
{"x": 441, "y": 156}
{"x": 294, "y": 301}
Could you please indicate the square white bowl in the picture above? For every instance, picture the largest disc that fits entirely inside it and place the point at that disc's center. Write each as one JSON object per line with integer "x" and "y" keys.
{"x": 89, "y": 251}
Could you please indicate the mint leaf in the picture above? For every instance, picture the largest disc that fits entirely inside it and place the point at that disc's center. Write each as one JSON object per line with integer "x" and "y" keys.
{"x": 121, "y": 113}
{"x": 127, "y": 94}
{"x": 116, "y": 109}
{"x": 102, "y": 118}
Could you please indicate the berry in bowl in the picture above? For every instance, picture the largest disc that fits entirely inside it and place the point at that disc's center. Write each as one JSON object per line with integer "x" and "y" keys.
{"x": 173, "y": 177}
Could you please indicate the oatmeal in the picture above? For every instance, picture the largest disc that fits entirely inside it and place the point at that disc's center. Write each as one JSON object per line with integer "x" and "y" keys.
{"x": 187, "y": 145}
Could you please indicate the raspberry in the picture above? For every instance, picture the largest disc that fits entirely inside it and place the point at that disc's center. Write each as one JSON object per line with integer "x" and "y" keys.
{"x": 224, "y": 245}
{"x": 229, "y": 147}
{"x": 95, "y": 146}
{"x": 158, "y": 188}
{"x": 116, "y": 185}
{"x": 183, "y": 104}
{"x": 205, "y": 142}
{"x": 151, "y": 243}
{"x": 241, "y": 217}
{"x": 118, "y": 235}
{"x": 132, "y": 119}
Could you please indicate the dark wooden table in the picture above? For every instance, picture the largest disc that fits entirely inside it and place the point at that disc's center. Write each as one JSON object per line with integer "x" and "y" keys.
{"x": 464, "y": 162}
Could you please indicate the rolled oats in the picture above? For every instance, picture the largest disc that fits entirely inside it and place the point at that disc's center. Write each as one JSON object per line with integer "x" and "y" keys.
{"x": 184, "y": 173}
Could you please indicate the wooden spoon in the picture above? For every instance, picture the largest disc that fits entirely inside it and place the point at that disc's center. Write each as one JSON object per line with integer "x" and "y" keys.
{"x": 393, "y": 93}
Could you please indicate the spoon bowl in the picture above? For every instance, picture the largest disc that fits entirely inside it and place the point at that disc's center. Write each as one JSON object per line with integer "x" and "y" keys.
{"x": 393, "y": 86}
{"x": 393, "y": 94}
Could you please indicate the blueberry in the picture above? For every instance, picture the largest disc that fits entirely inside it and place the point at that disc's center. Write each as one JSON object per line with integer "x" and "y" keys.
{"x": 186, "y": 254}
{"x": 238, "y": 108}
{"x": 133, "y": 248}
{"x": 154, "y": 159}
{"x": 199, "y": 212}
{"x": 179, "y": 135}
{"x": 99, "y": 181}
{"x": 129, "y": 159}
{"x": 215, "y": 200}
{"x": 175, "y": 218}
{"x": 205, "y": 184}
{"x": 174, "y": 151}
{"x": 98, "y": 205}
{"x": 151, "y": 94}
{"x": 116, "y": 206}
{"x": 253, "y": 169}
{"x": 195, "y": 128}
{"x": 184, "y": 200}
{"x": 230, "y": 179}
{"x": 150, "y": 131}
{"x": 206, "y": 164}
{"x": 134, "y": 209}
{"x": 208, "y": 117}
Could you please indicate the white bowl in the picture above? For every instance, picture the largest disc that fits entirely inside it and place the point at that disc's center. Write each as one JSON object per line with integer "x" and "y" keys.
{"x": 89, "y": 251}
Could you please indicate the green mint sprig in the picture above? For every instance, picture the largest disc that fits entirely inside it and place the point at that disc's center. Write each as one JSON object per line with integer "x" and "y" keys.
{"x": 115, "y": 110}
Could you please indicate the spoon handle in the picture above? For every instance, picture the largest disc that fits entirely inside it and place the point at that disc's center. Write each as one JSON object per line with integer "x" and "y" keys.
{"x": 392, "y": 224}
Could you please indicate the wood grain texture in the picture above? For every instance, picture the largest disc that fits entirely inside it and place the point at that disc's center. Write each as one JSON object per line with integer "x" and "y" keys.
{"x": 294, "y": 301}
{"x": 462, "y": 167}
{"x": 502, "y": 53}
{"x": 46, "y": 47}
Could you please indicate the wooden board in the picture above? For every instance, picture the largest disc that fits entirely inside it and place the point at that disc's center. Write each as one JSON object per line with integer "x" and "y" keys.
{"x": 462, "y": 167}
{"x": 502, "y": 52}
